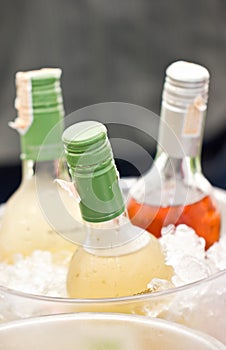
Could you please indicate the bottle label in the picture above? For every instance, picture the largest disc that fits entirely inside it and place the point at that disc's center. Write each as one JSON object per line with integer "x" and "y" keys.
{"x": 193, "y": 120}
{"x": 180, "y": 132}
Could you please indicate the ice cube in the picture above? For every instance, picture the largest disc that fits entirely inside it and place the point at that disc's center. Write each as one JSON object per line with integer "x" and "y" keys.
{"x": 158, "y": 284}
{"x": 216, "y": 254}
{"x": 185, "y": 251}
{"x": 180, "y": 241}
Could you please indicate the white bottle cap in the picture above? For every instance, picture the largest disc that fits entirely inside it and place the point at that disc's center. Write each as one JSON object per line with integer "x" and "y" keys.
{"x": 185, "y": 81}
{"x": 183, "y": 71}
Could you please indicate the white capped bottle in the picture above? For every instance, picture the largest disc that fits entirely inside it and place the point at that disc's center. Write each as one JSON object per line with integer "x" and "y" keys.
{"x": 174, "y": 190}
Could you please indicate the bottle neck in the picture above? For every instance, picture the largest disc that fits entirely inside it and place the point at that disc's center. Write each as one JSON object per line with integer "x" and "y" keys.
{"x": 172, "y": 166}
{"x": 112, "y": 224}
{"x": 42, "y": 191}
{"x": 114, "y": 237}
{"x": 42, "y": 141}
{"x": 181, "y": 131}
{"x": 100, "y": 195}
{"x": 186, "y": 170}
{"x": 172, "y": 181}
{"x": 51, "y": 169}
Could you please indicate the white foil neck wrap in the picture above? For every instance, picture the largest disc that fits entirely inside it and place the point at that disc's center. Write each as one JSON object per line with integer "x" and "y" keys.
{"x": 23, "y": 101}
{"x": 23, "y": 105}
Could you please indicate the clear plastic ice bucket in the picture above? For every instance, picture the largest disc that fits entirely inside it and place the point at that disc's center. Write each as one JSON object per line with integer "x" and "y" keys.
{"x": 200, "y": 305}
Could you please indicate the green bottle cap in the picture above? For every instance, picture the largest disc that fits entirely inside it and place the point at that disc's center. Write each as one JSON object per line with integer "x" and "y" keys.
{"x": 93, "y": 171}
{"x": 40, "y": 113}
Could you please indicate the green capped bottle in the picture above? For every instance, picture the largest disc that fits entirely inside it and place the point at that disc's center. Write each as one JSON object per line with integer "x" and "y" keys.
{"x": 25, "y": 226}
{"x": 115, "y": 258}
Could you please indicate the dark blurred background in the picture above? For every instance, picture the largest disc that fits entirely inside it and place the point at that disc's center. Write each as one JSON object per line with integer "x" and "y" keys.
{"x": 113, "y": 51}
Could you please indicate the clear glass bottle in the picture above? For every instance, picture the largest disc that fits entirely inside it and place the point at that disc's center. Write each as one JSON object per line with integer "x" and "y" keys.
{"x": 174, "y": 190}
{"x": 25, "y": 226}
{"x": 115, "y": 258}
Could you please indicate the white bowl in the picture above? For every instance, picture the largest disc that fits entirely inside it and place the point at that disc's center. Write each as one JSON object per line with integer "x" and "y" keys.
{"x": 102, "y": 331}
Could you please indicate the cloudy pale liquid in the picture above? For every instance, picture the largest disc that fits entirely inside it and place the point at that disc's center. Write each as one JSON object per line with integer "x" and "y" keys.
{"x": 95, "y": 276}
{"x": 24, "y": 227}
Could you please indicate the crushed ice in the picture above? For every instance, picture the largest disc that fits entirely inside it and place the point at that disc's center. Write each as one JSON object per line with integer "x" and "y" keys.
{"x": 184, "y": 251}
{"x": 35, "y": 274}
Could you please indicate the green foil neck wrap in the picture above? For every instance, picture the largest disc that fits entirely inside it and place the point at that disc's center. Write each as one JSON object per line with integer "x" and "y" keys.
{"x": 93, "y": 171}
{"x": 42, "y": 139}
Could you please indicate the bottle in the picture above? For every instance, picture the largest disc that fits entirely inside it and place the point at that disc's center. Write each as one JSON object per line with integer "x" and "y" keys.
{"x": 174, "y": 190}
{"x": 115, "y": 258}
{"x": 25, "y": 226}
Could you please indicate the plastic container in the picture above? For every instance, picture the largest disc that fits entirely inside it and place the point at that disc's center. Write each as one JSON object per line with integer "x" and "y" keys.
{"x": 102, "y": 331}
{"x": 200, "y": 305}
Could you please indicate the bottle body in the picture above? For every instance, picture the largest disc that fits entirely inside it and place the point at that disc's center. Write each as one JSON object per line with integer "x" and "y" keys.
{"x": 175, "y": 191}
{"x": 25, "y": 226}
{"x": 174, "y": 201}
{"x": 117, "y": 271}
{"x": 116, "y": 258}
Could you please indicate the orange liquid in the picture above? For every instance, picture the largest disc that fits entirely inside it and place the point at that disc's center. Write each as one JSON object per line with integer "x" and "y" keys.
{"x": 203, "y": 216}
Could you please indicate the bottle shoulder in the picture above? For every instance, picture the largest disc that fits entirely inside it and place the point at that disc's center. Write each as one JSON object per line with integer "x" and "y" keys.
{"x": 171, "y": 182}
{"x": 121, "y": 240}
